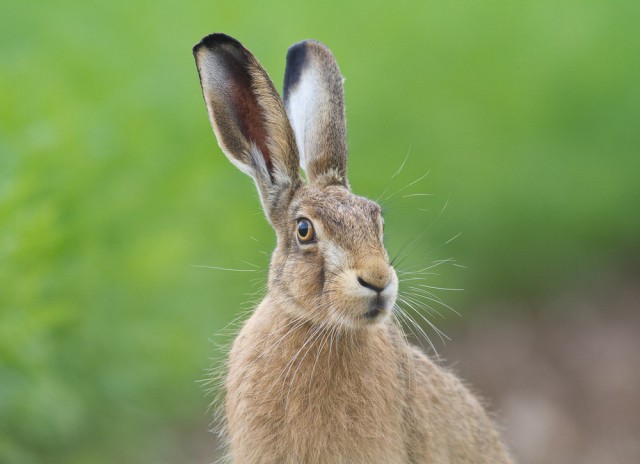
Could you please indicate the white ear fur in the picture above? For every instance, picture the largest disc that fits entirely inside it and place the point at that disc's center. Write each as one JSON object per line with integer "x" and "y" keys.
{"x": 304, "y": 120}
{"x": 314, "y": 99}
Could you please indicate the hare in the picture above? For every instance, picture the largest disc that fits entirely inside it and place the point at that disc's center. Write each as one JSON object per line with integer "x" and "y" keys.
{"x": 319, "y": 373}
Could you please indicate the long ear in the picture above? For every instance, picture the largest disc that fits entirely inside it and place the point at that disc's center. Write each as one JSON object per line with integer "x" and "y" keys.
{"x": 314, "y": 99}
{"x": 249, "y": 119}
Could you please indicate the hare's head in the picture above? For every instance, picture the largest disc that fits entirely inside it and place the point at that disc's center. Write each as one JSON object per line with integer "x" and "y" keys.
{"x": 330, "y": 265}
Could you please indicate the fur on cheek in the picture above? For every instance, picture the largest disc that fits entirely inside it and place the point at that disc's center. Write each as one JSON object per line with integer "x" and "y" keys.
{"x": 305, "y": 277}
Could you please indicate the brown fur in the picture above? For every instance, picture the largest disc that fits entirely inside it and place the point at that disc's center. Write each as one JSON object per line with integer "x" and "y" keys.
{"x": 320, "y": 373}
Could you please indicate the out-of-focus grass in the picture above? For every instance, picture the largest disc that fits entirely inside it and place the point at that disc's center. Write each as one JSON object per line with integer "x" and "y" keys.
{"x": 112, "y": 185}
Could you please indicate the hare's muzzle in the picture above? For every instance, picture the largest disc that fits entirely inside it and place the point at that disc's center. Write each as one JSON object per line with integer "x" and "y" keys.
{"x": 378, "y": 285}
{"x": 372, "y": 286}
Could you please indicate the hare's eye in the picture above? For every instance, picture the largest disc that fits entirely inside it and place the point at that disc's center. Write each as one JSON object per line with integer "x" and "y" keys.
{"x": 305, "y": 231}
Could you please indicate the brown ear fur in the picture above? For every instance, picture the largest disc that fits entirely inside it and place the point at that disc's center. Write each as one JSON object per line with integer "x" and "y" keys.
{"x": 248, "y": 117}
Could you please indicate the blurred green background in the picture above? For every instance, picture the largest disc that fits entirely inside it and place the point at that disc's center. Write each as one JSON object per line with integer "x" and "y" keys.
{"x": 112, "y": 187}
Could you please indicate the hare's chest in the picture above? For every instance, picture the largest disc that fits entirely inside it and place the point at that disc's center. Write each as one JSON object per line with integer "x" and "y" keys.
{"x": 316, "y": 405}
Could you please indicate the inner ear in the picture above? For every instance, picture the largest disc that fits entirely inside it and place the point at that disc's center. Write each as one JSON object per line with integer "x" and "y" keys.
{"x": 248, "y": 113}
{"x": 249, "y": 120}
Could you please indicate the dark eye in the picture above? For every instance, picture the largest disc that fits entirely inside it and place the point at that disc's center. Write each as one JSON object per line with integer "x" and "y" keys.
{"x": 305, "y": 231}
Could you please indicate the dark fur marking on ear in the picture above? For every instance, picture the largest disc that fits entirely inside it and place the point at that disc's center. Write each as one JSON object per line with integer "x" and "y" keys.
{"x": 296, "y": 61}
{"x": 215, "y": 39}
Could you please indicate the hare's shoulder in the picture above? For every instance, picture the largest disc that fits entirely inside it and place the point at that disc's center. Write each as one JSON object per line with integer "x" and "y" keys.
{"x": 450, "y": 415}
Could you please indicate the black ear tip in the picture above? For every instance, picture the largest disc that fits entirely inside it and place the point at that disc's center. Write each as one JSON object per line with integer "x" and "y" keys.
{"x": 215, "y": 40}
{"x": 295, "y": 63}
{"x": 296, "y": 49}
{"x": 299, "y": 51}
{"x": 298, "y": 56}
{"x": 308, "y": 47}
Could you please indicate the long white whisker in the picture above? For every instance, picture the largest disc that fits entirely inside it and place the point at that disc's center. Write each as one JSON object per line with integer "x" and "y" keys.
{"x": 440, "y": 333}
{"x": 406, "y": 187}
{"x": 223, "y": 268}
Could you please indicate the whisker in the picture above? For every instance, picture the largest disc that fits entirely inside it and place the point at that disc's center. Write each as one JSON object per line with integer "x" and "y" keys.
{"x": 406, "y": 186}
{"x": 222, "y": 268}
{"x": 420, "y": 330}
{"x": 446, "y": 289}
{"x": 410, "y": 195}
{"x": 440, "y": 333}
{"x": 377, "y": 200}
{"x": 453, "y": 238}
{"x": 422, "y": 305}
{"x": 249, "y": 264}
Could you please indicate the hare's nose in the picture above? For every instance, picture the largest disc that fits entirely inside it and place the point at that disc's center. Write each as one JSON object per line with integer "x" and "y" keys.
{"x": 377, "y": 285}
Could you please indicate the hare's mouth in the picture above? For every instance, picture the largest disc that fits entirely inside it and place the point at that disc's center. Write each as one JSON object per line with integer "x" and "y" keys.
{"x": 378, "y": 308}
{"x": 370, "y": 315}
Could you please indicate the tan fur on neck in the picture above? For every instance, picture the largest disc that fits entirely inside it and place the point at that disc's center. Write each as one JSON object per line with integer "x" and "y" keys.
{"x": 299, "y": 393}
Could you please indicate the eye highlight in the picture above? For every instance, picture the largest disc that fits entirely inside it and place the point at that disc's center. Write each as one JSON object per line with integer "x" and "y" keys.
{"x": 306, "y": 234}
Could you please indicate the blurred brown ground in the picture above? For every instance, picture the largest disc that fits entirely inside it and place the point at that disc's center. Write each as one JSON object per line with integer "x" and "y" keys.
{"x": 563, "y": 377}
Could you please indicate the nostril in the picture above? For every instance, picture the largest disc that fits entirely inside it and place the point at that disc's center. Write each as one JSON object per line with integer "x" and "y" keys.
{"x": 366, "y": 284}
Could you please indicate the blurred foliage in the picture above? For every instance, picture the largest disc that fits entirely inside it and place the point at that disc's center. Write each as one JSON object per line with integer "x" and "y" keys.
{"x": 112, "y": 186}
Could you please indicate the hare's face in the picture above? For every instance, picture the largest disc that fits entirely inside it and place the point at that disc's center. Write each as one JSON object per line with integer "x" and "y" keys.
{"x": 330, "y": 266}
{"x": 331, "y": 262}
